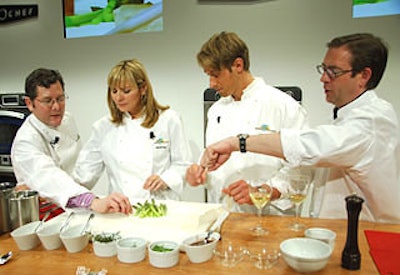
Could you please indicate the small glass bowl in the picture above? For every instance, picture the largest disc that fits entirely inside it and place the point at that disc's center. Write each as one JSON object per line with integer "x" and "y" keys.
{"x": 230, "y": 256}
{"x": 264, "y": 258}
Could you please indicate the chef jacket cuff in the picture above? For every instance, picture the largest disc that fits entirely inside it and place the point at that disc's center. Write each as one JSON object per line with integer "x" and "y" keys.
{"x": 290, "y": 146}
{"x": 83, "y": 200}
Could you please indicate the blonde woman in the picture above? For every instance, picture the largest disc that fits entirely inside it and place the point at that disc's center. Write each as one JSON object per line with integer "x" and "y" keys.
{"x": 141, "y": 144}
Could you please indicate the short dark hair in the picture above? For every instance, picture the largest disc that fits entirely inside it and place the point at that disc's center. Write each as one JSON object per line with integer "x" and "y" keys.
{"x": 41, "y": 77}
{"x": 367, "y": 50}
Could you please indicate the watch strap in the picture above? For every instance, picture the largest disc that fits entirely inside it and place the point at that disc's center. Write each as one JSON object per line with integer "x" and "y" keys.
{"x": 242, "y": 142}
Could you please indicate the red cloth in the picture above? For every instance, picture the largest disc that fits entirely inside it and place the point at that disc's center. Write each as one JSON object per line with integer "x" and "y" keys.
{"x": 385, "y": 250}
{"x": 54, "y": 209}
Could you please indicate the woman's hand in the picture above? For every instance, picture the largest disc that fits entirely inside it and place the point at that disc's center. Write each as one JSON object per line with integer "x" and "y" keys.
{"x": 155, "y": 183}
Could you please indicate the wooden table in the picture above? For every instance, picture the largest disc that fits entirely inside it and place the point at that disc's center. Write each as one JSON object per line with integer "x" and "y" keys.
{"x": 235, "y": 229}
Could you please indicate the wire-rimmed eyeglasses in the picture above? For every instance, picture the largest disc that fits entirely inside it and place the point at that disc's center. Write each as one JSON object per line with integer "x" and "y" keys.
{"x": 332, "y": 72}
{"x": 49, "y": 102}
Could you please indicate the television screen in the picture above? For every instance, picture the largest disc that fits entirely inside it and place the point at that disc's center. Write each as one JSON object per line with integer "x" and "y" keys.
{"x": 368, "y": 8}
{"x": 83, "y": 18}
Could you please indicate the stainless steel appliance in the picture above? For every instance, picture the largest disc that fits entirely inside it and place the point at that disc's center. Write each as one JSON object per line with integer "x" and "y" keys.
{"x": 13, "y": 113}
{"x": 6, "y": 190}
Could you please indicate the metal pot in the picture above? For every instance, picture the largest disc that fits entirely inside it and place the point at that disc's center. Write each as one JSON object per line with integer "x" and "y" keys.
{"x": 24, "y": 207}
{"x": 6, "y": 189}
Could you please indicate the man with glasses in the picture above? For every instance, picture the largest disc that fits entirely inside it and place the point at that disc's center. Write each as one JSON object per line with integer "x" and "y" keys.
{"x": 361, "y": 147}
{"x": 47, "y": 144}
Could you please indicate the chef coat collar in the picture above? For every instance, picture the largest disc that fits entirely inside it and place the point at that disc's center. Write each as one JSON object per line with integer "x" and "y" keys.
{"x": 128, "y": 116}
{"x": 358, "y": 101}
{"x": 249, "y": 89}
{"x": 52, "y": 135}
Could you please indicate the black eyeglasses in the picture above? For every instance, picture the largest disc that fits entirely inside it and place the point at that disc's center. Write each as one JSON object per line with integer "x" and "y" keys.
{"x": 49, "y": 102}
{"x": 332, "y": 72}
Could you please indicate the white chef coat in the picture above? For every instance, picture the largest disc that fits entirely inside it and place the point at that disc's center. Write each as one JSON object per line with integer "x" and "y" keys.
{"x": 43, "y": 157}
{"x": 363, "y": 148}
{"x": 260, "y": 105}
{"x": 131, "y": 153}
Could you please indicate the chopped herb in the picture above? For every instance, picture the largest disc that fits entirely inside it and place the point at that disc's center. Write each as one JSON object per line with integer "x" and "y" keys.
{"x": 161, "y": 248}
{"x": 106, "y": 237}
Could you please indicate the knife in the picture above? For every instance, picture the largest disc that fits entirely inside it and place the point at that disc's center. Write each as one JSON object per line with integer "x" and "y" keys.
{"x": 216, "y": 226}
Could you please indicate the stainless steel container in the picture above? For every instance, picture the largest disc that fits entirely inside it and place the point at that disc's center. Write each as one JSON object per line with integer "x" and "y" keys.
{"x": 24, "y": 207}
{"x": 6, "y": 189}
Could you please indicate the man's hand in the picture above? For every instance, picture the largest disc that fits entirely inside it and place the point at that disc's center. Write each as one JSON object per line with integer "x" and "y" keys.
{"x": 239, "y": 191}
{"x": 196, "y": 175}
{"x": 113, "y": 203}
{"x": 218, "y": 153}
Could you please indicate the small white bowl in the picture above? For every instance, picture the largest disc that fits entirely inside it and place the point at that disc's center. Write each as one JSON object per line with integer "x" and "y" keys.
{"x": 164, "y": 259}
{"x": 197, "y": 250}
{"x": 323, "y": 234}
{"x": 73, "y": 240}
{"x": 305, "y": 254}
{"x": 49, "y": 236}
{"x": 131, "y": 250}
{"x": 105, "y": 249}
{"x": 25, "y": 236}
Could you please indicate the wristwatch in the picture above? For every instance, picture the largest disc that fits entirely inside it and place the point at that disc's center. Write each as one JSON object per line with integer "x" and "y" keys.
{"x": 242, "y": 142}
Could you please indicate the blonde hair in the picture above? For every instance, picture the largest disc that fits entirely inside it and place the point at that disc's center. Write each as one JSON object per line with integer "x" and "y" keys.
{"x": 133, "y": 71}
{"x": 221, "y": 50}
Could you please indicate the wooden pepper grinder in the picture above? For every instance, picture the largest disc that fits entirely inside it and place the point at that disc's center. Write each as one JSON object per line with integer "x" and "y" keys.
{"x": 351, "y": 256}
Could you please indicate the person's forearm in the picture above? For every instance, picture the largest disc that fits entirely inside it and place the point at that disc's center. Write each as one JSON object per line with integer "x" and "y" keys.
{"x": 268, "y": 144}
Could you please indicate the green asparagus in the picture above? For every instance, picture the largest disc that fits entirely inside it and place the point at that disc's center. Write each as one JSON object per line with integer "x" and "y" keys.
{"x": 149, "y": 209}
{"x": 95, "y": 17}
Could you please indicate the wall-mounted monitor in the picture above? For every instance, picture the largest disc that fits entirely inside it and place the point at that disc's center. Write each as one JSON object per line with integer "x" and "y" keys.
{"x": 369, "y": 8}
{"x": 83, "y": 18}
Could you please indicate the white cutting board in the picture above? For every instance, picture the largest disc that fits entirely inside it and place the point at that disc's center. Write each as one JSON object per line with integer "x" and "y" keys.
{"x": 183, "y": 220}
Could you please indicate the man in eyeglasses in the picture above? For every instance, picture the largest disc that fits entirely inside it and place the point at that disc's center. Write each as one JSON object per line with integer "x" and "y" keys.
{"x": 361, "y": 147}
{"x": 47, "y": 144}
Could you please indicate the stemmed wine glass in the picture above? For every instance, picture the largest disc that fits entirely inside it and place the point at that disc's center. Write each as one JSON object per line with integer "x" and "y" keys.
{"x": 260, "y": 195}
{"x": 298, "y": 188}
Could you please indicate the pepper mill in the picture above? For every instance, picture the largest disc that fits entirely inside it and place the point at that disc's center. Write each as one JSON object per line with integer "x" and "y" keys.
{"x": 351, "y": 256}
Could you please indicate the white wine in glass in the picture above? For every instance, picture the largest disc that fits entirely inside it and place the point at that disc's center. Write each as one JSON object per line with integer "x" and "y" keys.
{"x": 298, "y": 188}
{"x": 260, "y": 196}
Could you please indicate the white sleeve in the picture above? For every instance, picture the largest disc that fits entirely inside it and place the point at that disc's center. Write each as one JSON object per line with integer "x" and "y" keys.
{"x": 90, "y": 166}
{"x": 327, "y": 145}
{"x": 35, "y": 167}
{"x": 181, "y": 156}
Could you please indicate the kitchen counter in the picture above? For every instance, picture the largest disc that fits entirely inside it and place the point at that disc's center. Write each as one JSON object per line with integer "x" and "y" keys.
{"x": 235, "y": 229}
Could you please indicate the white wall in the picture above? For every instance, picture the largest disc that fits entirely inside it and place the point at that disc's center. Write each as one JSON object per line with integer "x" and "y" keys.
{"x": 286, "y": 39}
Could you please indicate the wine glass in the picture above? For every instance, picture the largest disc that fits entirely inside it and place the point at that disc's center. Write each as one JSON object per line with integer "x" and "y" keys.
{"x": 298, "y": 188}
{"x": 260, "y": 195}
